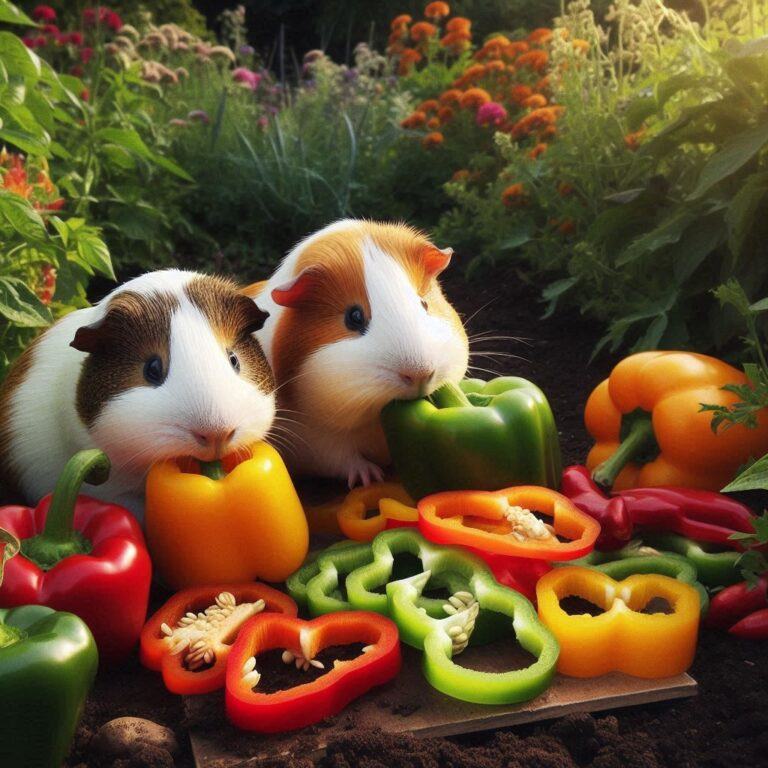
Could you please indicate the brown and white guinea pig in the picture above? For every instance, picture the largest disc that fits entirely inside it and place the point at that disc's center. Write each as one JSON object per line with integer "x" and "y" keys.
{"x": 166, "y": 365}
{"x": 356, "y": 319}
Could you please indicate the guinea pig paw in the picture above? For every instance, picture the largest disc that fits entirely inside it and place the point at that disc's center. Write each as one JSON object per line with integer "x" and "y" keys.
{"x": 363, "y": 472}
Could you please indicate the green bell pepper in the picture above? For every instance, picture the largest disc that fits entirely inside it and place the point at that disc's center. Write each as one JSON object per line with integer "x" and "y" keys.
{"x": 392, "y": 578}
{"x": 474, "y": 436}
{"x": 48, "y": 661}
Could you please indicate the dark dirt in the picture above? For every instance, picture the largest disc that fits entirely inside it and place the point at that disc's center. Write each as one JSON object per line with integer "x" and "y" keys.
{"x": 725, "y": 725}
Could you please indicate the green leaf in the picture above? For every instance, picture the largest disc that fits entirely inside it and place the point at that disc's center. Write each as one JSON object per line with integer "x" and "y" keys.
{"x": 94, "y": 253}
{"x": 743, "y": 209}
{"x": 61, "y": 228}
{"x": 753, "y": 478}
{"x": 698, "y": 241}
{"x": 653, "y": 334}
{"x": 736, "y": 152}
{"x": 669, "y": 231}
{"x": 640, "y": 110}
{"x": 20, "y": 305}
{"x": 673, "y": 85}
{"x": 25, "y": 142}
{"x": 17, "y": 58}
{"x": 756, "y": 47}
{"x": 22, "y": 217}
{"x": 520, "y": 236}
{"x": 10, "y": 14}
{"x": 554, "y": 291}
{"x": 759, "y": 306}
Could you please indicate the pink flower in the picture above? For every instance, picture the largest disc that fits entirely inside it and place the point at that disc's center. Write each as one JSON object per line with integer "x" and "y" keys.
{"x": 76, "y": 38}
{"x": 44, "y": 13}
{"x": 246, "y": 77}
{"x": 491, "y": 113}
{"x": 86, "y": 54}
{"x": 51, "y": 29}
{"x": 28, "y": 41}
{"x": 114, "y": 21}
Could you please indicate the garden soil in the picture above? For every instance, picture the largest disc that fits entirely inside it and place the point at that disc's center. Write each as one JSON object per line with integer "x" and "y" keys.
{"x": 725, "y": 725}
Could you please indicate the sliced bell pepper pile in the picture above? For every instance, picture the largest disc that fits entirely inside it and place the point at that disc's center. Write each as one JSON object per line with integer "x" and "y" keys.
{"x": 502, "y": 523}
{"x": 622, "y": 638}
{"x": 190, "y": 637}
{"x": 83, "y": 556}
{"x": 742, "y": 609}
{"x": 48, "y": 661}
{"x": 702, "y": 515}
{"x": 395, "y": 509}
{"x": 649, "y": 428}
{"x": 476, "y": 435}
{"x": 232, "y": 523}
{"x": 303, "y": 705}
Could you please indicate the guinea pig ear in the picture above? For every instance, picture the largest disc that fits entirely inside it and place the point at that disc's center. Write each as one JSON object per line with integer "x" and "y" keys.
{"x": 299, "y": 290}
{"x": 93, "y": 337}
{"x": 435, "y": 260}
{"x": 253, "y": 317}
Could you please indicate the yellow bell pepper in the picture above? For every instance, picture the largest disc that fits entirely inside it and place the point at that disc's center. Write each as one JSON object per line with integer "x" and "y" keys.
{"x": 245, "y": 525}
{"x": 621, "y": 639}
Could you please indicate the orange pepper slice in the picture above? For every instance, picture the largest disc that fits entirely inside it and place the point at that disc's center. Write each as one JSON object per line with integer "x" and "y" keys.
{"x": 396, "y": 508}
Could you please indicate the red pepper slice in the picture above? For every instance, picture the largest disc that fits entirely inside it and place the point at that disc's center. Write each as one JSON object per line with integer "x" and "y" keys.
{"x": 327, "y": 695}
{"x": 481, "y": 520}
{"x": 518, "y": 573}
{"x": 695, "y": 514}
{"x": 191, "y": 617}
{"x": 733, "y": 603}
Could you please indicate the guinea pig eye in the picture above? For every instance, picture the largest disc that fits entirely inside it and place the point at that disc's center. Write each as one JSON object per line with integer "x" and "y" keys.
{"x": 234, "y": 361}
{"x": 354, "y": 319}
{"x": 153, "y": 371}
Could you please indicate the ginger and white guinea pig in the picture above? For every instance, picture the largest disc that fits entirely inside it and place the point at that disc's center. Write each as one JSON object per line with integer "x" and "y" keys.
{"x": 356, "y": 319}
{"x": 166, "y": 365}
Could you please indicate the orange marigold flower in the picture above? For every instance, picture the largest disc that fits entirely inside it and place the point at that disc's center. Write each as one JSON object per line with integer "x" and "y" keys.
{"x": 456, "y": 42}
{"x": 514, "y": 194}
{"x": 548, "y": 131}
{"x": 542, "y": 118}
{"x": 430, "y": 105}
{"x": 542, "y": 84}
{"x": 495, "y": 66}
{"x": 535, "y": 100}
{"x": 538, "y": 150}
{"x": 445, "y": 114}
{"x": 422, "y": 30}
{"x": 433, "y": 123}
{"x": 437, "y": 10}
{"x": 458, "y": 24}
{"x": 475, "y": 72}
{"x": 474, "y": 98}
{"x": 414, "y": 120}
{"x": 519, "y": 93}
{"x": 433, "y": 139}
{"x": 515, "y": 47}
{"x": 535, "y": 60}
{"x": 566, "y": 226}
{"x": 580, "y": 46}
{"x": 451, "y": 96}
{"x": 633, "y": 140}
{"x": 408, "y": 58}
{"x": 540, "y": 36}
{"x": 461, "y": 175}
{"x": 403, "y": 20}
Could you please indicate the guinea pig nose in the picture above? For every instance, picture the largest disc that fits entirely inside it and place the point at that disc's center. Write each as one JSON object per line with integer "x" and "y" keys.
{"x": 214, "y": 437}
{"x": 411, "y": 377}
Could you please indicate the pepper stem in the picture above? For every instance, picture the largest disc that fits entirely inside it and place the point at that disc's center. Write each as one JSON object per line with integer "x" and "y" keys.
{"x": 59, "y": 539}
{"x": 213, "y": 469}
{"x": 450, "y": 395}
{"x": 638, "y": 440}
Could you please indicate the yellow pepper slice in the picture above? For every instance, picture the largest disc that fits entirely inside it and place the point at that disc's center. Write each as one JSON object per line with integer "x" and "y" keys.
{"x": 648, "y": 645}
{"x": 247, "y": 525}
{"x": 396, "y": 508}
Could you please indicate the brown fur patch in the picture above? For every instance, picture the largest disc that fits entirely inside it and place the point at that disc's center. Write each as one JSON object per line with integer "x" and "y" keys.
{"x": 10, "y": 487}
{"x": 134, "y": 328}
{"x": 234, "y": 317}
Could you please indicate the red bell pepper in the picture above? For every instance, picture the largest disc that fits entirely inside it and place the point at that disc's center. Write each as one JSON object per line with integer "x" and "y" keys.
{"x": 741, "y": 609}
{"x": 695, "y": 514}
{"x": 190, "y": 637}
{"x": 518, "y": 573}
{"x": 83, "y": 556}
{"x": 502, "y": 523}
{"x": 309, "y": 703}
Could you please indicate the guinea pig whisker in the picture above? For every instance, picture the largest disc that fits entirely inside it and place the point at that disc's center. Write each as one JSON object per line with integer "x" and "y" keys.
{"x": 479, "y": 310}
{"x": 491, "y": 355}
{"x": 495, "y": 374}
{"x": 493, "y": 336}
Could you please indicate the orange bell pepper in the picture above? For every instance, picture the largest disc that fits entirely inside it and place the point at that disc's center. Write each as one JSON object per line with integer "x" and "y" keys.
{"x": 495, "y": 522}
{"x": 649, "y": 645}
{"x": 396, "y": 508}
{"x": 248, "y": 524}
{"x": 649, "y": 429}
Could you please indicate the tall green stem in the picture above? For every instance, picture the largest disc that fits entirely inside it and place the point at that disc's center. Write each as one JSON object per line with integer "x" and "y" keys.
{"x": 639, "y": 440}
{"x": 450, "y": 395}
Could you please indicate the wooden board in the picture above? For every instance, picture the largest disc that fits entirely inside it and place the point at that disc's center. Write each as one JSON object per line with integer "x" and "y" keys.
{"x": 410, "y": 704}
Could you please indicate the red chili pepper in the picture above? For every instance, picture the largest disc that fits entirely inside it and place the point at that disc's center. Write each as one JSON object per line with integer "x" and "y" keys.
{"x": 752, "y": 627}
{"x": 695, "y": 514}
{"x": 327, "y": 695}
{"x": 190, "y": 637}
{"x": 733, "y": 603}
{"x": 611, "y": 513}
{"x": 82, "y": 556}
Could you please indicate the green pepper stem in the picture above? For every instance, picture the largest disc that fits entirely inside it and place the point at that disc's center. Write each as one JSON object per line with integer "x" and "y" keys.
{"x": 9, "y": 635}
{"x": 59, "y": 538}
{"x": 450, "y": 395}
{"x": 213, "y": 469}
{"x": 639, "y": 439}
